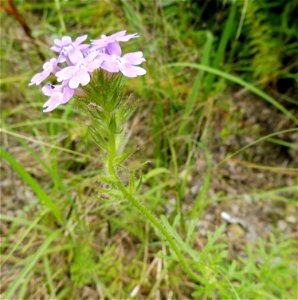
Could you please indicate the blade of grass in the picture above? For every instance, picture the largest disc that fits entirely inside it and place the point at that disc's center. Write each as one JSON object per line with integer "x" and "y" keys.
{"x": 227, "y": 34}
{"x": 132, "y": 15}
{"x": 13, "y": 79}
{"x": 24, "y": 286}
{"x": 205, "y": 144}
{"x": 48, "y": 272}
{"x": 44, "y": 143}
{"x": 31, "y": 123}
{"x": 200, "y": 199}
{"x": 281, "y": 143}
{"x": 281, "y": 170}
{"x": 19, "y": 221}
{"x": 241, "y": 82}
{"x": 29, "y": 265}
{"x": 21, "y": 238}
{"x": 197, "y": 83}
{"x": 60, "y": 15}
{"x": 37, "y": 189}
{"x": 263, "y": 138}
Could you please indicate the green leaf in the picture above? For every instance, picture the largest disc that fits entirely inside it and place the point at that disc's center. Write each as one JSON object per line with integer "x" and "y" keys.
{"x": 139, "y": 183}
{"x": 123, "y": 157}
{"x": 113, "y": 124}
{"x": 155, "y": 172}
{"x": 132, "y": 186}
{"x": 37, "y": 189}
{"x": 180, "y": 243}
{"x": 107, "y": 179}
{"x": 97, "y": 138}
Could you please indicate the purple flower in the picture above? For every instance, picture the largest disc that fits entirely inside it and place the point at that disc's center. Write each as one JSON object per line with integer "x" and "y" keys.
{"x": 48, "y": 68}
{"x": 59, "y": 94}
{"x": 66, "y": 46}
{"x": 79, "y": 72}
{"x": 111, "y": 43}
{"x": 81, "y": 61}
{"x": 120, "y": 36}
{"x": 125, "y": 64}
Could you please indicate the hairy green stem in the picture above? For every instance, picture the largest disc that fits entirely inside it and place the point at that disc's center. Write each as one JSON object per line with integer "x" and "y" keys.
{"x": 153, "y": 219}
{"x": 145, "y": 211}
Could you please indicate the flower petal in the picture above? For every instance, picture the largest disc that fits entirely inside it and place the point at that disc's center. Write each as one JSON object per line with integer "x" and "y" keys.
{"x": 100, "y": 43}
{"x": 53, "y": 102}
{"x": 81, "y": 77}
{"x": 75, "y": 56}
{"x": 57, "y": 42}
{"x": 40, "y": 77}
{"x": 95, "y": 64}
{"x": 79, "y": 40}
{"x": 74, "y": 82}
{"x": 65, "y": 73}
{"x": 134, "y": 58}
{"x": 47, "y": 90}
{"x": 83, "y": 47}
{"x": 55, "y": 48}
{"x": 36, "y": 79}
{"x": 127, "y": 37}
{"x": 61, "y": 58}
{"x": 114, "y": 48}
{"x": 110, "y": 66}
{"x": 65, "y": 40}
{"x": 68, "y": 93}
{"x": 91, "y": 55}
{"x": 118, "y": 34}
{"x": 85, "y": 78}
{"x": 132, "y": 71}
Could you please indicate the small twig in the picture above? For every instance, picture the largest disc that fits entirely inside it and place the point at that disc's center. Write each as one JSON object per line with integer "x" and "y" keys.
{"x": 11, "y": 9}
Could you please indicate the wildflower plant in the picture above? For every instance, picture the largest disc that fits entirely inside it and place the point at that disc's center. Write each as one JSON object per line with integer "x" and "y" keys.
{"x": 94, "y": 75}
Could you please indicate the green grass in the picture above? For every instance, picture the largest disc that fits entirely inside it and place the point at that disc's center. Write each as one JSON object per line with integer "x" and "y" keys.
{"x": 64, "y": 239}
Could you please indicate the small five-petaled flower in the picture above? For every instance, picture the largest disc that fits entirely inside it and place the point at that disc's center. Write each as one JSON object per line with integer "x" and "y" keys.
{"x": 81, "y": 61}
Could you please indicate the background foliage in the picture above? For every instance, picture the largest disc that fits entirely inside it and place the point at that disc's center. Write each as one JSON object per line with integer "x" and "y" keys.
{"x": 216, "y": 144}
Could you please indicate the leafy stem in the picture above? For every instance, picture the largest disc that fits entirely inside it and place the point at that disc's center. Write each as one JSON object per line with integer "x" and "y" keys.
{"x": 102, "y": 98}
{"x": 156, "y": 223}
{"x": 144, "y": 210}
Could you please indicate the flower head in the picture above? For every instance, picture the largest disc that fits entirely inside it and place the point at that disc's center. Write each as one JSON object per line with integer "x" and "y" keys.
{"x": 125, "y": 64}
{"x": 120, "y": 36}
{"x": 48, "y": 68}
{"x": 79, "y": 73}
{"x": 80, "y": 61}
{"x": 59, "y": 94}
{"x": 66, "y": 46}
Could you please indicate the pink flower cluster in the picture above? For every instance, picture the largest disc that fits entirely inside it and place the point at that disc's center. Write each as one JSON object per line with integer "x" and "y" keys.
{"x": 80, "y": 60}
